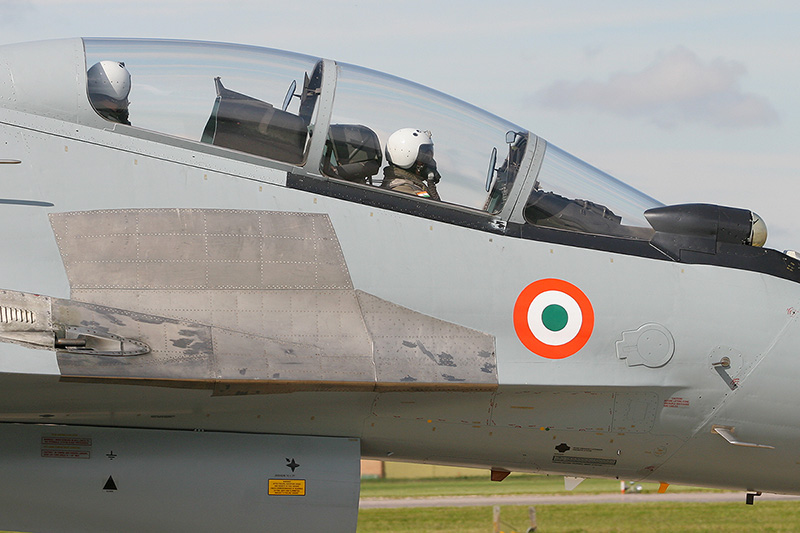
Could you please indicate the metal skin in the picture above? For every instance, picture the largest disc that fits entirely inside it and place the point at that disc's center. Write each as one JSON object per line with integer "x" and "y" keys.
{"x": 320, "y": 317}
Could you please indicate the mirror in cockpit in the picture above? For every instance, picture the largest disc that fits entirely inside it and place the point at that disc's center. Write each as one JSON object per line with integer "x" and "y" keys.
{"x": 500, "y": 180}
{"x": 289, "y": 95}
{"x": 312, "y": 87}
{"x": 308, "y": 97}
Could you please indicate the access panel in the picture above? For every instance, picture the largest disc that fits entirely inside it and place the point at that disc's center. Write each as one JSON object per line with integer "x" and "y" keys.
{"x": 85, "y": 479}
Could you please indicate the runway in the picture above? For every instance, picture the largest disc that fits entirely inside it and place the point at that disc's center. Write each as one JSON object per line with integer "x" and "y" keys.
{"x": 566, "y": 499}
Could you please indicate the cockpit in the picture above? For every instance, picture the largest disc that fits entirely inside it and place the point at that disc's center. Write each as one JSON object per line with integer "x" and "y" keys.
{"x": 336, "y": 122}
{"x": 273, "y": 104}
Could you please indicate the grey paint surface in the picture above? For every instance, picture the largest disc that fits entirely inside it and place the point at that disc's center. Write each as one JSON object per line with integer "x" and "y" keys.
{"x": 150, "y": 480}
{"x": 295, "y": 313}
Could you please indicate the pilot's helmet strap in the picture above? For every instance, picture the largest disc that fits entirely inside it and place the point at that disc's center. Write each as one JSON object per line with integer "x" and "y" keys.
{"x": 432, "y": 190}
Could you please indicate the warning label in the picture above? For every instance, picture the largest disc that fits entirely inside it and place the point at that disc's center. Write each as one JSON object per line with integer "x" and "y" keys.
{"x": 287, "y": 487}
{"x": 66, "y": 454}
{"x": 585, "y": 461}
{"x": 65, "y": 440}
{"x": 66, "y": 447}
{"x": 676, "y": 402}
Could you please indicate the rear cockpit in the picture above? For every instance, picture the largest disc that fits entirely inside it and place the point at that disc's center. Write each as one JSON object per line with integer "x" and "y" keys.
{"x": 271, "y": 104}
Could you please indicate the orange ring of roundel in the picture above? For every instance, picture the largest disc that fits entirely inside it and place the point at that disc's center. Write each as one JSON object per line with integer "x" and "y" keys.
{"x": 524, "y": 332}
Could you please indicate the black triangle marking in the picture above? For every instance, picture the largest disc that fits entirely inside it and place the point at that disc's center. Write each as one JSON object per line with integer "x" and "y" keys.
{"x": 110, "y": 485}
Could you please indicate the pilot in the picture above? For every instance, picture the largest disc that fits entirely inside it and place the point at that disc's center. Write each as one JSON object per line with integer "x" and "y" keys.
{"x": 411, "y": 168}
{"x": 109, "y": 85}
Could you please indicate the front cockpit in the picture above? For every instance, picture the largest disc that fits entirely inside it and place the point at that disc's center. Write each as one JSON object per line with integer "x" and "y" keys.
{"x": 572, "y": 195}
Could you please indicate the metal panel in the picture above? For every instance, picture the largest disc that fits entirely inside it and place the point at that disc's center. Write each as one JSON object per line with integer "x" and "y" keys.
{"x": 185, "y": 249}
{"x": 279, "y": 275}
{"x": 252, "y": 296}
{"x": 278, "y": 280}
{"x": 129, "y": 344}
{"x": 195, "y": 352}
{"x": 329, "y": 319}
{"x": 243, "y": 357}
{"x": 81, "y": 479}
{"x": 634, "y": 412}
{"x": 179, "y": 350}
{"x": 561, "y": 410}
{"x": 412, "y": 347}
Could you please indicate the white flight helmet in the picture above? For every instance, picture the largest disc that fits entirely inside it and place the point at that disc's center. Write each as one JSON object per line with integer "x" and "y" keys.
{"x": 111, "y": 79}
{"x": 407, "y": 145}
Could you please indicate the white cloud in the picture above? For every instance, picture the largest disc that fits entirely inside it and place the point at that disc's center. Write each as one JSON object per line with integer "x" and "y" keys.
{"x": 677, "y": 87}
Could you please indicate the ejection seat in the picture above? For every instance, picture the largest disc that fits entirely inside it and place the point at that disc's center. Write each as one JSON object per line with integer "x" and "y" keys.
{"x": 352, "y": 153}
{"x": 250, "y": 125}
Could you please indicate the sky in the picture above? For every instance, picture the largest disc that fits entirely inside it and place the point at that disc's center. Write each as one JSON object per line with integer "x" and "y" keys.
{"x": 687, "y": 101}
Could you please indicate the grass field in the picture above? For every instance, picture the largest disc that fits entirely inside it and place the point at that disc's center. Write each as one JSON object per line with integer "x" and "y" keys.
{"x": 605, "y": 518}
{"x": 650, "y": 517}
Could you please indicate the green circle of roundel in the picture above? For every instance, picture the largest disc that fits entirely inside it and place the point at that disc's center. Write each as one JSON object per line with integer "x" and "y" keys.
{"x": 554, "y": 317}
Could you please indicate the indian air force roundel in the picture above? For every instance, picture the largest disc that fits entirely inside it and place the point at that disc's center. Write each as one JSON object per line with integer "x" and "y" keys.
{"x": 553, "y": 318}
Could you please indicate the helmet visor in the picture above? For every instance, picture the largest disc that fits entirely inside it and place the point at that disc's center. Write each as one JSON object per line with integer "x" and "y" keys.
{"x": 425, "y": 155}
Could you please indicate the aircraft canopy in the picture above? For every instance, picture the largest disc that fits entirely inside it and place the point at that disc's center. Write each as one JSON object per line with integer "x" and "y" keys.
{"x": 274, "y": 104}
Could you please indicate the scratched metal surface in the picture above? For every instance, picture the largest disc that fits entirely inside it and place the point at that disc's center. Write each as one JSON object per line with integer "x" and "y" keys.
{"x": 249, "y": 295}
{"x": 411, "y": 347}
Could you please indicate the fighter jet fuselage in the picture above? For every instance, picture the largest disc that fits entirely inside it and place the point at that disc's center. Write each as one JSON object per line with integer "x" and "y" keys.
{"x": 231, "y": 272}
